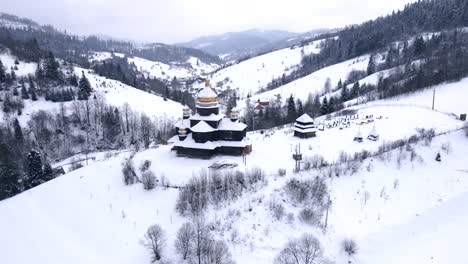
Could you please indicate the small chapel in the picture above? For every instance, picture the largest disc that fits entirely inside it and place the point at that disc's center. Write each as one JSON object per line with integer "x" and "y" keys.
{"x": 305, "y": 127}
{"x": 208, "y": 132}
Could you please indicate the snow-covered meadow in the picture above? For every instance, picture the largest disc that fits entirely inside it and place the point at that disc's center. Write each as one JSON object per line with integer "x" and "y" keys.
{"x": 250, "y": 75}
{"x": 91, "y": 216}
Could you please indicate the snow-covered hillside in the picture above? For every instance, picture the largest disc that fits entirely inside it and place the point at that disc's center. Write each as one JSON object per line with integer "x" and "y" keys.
{"x": 192, "y": 68}
{"x": 117, "y": 94}
{"x": 249, "y": 76}
{"x": 100, "y": 220}
{"x": 114, "y": 92}
{"x": 24, "y": 68}
{"x": 449, "y": 98}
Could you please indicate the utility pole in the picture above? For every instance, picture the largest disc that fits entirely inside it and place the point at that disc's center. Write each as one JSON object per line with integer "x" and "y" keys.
{"x": 326, "y": 216}
{"x": 433, "y": 98}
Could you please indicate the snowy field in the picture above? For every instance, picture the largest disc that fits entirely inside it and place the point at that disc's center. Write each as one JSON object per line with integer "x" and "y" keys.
{"x": 24, "y": 68}
{"x": 90, "y": 216}
{"x": 450, "y": 98}
{"x": 251, "y": 75}
{"x": 163, "y": 71}
{"x": 117, "y": 94}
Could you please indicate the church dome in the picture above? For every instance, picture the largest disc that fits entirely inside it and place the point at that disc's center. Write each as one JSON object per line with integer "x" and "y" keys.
{"x": 207, "y": 94}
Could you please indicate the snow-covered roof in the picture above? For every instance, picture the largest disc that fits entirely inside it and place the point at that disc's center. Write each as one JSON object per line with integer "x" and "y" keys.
{"x": 305, "y": 118}
{"x": 358, "y": 135}
{"x": 189, "y": 142}
{"x": 206, "y": 92}
{"x": 307, "y": 130}
{"x": 228, "y": 124}
{"x": 373, "y": 133}
{"x": 183, "y": 123}
{"x": 202, "y": 127}
{"x": 304, "y": 127}
{"x": 211, "y": 117}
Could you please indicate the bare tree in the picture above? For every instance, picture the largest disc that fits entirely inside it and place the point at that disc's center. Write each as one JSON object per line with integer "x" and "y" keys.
{"x": 350, "y": 246}
{"x": 220, "y": 253}
{"x": 146, "y": 127}
{"x": 155, "y": 240}
{"x": 202, "y": 238}
{"x": 185, "y": 237}
{"x": 305, "y": 250}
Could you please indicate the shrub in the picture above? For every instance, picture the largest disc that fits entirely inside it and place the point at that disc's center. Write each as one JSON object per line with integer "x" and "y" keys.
{"x": 75, "y": 166}
{"x": 309, "y": 216}
{"x": 149, "y": 180}
{"x": 350, "y": 246}
{"x": 281, "y": 172}
{"x": 305, "y": 250}
{"x": 145, "y": 165}
{"x": 277, "y": 210}
{"x": 216, "y": 188}
{"x": 128, "y": 171}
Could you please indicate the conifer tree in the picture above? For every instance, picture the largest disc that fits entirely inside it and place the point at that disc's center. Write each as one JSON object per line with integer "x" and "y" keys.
{"x": 48, "y": 174}
{"x": 292, "y": 112}
{"x": 2, "y": 73}
{"x": 15, "y": 91}
{"x": 84, "y": 84}
{"x": 51, "y": 67}
{"x": 18, "y": 132}
{"x": 344, "y": 94}
{"x": 34, "y": 169}
{"x": 39, "y": 72}
{"x": 24, "y": 92}
{"x": 355, "y": 90}
{"x": 300, "y": 108}
{"x": 371, "y": 66}
{"x": 324, "y": 107}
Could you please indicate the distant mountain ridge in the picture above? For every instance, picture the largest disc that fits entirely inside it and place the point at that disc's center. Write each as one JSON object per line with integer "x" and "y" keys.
{"x": 236, "y": 45}
{"x": 74, "y": 48}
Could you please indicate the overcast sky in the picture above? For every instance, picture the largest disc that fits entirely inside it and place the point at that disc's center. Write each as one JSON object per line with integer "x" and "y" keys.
{"x": 171, "y": 21}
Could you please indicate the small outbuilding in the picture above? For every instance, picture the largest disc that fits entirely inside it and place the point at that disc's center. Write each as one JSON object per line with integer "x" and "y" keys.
{"x": 358, "y": 138}
{"x": 305, "y": 127}
{"x": 373, "y": 135}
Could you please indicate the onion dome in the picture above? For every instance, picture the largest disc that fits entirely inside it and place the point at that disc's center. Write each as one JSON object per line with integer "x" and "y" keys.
{"x": 207, "y": 94}
{"x": 234, "y": 114}
{"x": 186, "y": 112}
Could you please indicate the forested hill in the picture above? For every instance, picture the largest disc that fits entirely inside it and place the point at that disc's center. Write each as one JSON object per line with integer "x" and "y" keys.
{"x": 75, "y": 48}
{"x": 377, "y": 35}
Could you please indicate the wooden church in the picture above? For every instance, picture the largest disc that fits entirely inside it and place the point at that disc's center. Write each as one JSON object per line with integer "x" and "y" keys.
{"x": 208, "y": 132}
{"x": 305, "y": 127}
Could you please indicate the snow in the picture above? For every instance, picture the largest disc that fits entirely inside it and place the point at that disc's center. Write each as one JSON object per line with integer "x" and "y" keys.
{"x": 202, "y": 127}
{"x": 24, "y": 68}
{"x": 450, "y": 98}
{"x": 251, "y": 75}
{"x": 163, "y": 71}
{"x": 314, "y": 82}
{"x": 117, "y": 94}
{"x": 305, "y": 118}
{"x": 206, "y": 92}
{"x": 97, "y": 219}
{"x": 211, "y": 117}
{"x": 228, "y": 124}
{"x": 160, "y": 70}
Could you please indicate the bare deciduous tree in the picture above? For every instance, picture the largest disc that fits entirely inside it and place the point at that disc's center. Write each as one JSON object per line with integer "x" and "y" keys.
{"x": 154, "y": 240}
{"x": 350, "y": 246}
{"x": 305, "y": 250}
{"x": 184, "y": 240}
